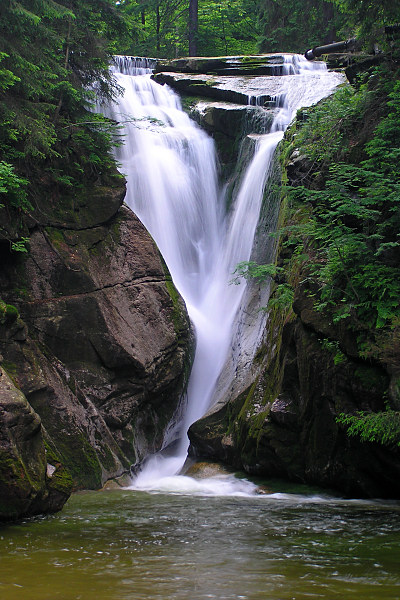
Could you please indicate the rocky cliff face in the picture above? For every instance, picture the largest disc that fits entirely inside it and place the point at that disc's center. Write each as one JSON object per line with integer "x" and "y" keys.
{"x": 100, "y": 343}
{"x": 28, "y": 485}
{"x": 284, "y": 424}
{"x": 307, "y": 371}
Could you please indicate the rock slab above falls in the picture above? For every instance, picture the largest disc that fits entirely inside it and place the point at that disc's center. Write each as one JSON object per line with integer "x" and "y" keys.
{"x": 245, "y": 90}
{"x": 261, "y": 64}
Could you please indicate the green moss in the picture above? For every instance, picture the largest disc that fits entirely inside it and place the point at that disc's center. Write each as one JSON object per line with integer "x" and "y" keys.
{"x": 62, "y": 481}
{"x": 189, "y": 102}
{"x": 178, "y": 319}
{"x": 12, "y": 371}
{"x": 10, "y": 468}
{"x": 55, "y": 235}
{"x": 82, "y": 461}
{"x": 177, "y": 310}
{"x": 8, "y": 313}
{"x": 115, "y": 230}
{"x": 10, "y": 367}
{"x": 15, "y": 475}
{"x": 78, "y": 457}
{"x": 22, "y": 292}
{"x": 107, "y": 458}
{"x": 247, "y": 417}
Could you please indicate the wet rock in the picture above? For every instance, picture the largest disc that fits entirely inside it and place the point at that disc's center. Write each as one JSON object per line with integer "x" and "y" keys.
{"x": 229, "y": 124}
{"x": 363, "y": 63}
{"x": 238, "y": 90}
{"x": 284, "y": 412}
{"x": 118, "y": 482}
{"x": 285, "y": 423}
{"x": 262, "y": 64}
{"x": 104, "y": 347}
{"x": 25, "y": 487}
{"x": 203, "y": 470}
{"x": 82, "y": 209}
{"x": 202, "y": 85}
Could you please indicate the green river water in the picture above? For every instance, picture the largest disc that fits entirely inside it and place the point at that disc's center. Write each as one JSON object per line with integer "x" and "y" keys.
{"x": 124, "y": 544}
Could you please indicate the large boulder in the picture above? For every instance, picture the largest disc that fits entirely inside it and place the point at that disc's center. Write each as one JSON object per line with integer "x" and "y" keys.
{"x": 103, "y": 346}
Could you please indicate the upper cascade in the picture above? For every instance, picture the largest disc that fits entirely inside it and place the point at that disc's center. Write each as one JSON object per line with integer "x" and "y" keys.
{"x": 133, "y": 65}
{"x": 262, "y": 64}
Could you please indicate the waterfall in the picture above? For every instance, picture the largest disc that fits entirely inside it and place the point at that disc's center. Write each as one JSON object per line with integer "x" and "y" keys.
{"x": 173, "y": 187}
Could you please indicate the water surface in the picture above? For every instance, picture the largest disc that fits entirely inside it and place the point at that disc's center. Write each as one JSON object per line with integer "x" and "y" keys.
{"x": 124, "y": 544}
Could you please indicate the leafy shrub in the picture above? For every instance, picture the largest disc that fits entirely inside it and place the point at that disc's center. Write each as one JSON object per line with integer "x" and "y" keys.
{"x": 382, "y": 427}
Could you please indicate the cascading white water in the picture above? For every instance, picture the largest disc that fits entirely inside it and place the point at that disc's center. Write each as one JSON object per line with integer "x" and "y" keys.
{"x": 171, "y": 171}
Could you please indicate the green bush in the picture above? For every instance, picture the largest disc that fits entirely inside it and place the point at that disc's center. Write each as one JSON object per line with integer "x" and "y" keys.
{"x": 382, "y": 428}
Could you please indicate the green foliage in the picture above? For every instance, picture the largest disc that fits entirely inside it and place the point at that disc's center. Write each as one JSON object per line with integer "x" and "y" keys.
{"x": 13, "y": 187}
{"x": 367, "y": 18}
{"x": 252, "y": 270}
{"x": 54, "y": 63}
{"x": 332, "y": 346}
{"x": 227, "y": 27}
{"x": 161, "y": 27}
{"x": 283, "y": 293}
{"x": 346, "y": 110}
{"x": 7, "y": 78}
{"x": 382, "y": 427}
{"x": 293, "y": 26}
{"x": 282, "y": 297}
{"x": 352, "y": 239}
{"x": 384, "y": 149}
{"x": 20, "y": 245}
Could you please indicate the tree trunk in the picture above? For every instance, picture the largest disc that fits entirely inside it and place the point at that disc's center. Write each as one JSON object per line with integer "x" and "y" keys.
{"x": 158, "y": 28}
{"x": 193, "y": 27}
{"x": 329, "y": 14}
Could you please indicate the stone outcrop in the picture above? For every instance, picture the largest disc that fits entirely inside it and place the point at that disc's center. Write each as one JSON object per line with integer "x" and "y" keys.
{"x": 307, "y": 371}
{"x": 261, "y": 64}
{"x": 284, "y": 424}
{"x": 228, "y": 124}
{"x": 100, "y": 342}
{"x": 27, "y": 484}
{"x": 239, "y": 90}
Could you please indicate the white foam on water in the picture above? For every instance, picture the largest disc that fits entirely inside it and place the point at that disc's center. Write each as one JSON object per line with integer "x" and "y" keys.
{"x": 219, "y": 485}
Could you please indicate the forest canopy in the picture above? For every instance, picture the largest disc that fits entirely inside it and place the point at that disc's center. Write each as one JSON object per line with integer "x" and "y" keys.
{"x": 54, "y": 60}
{"x": 161, "y": 28}
{"x": 55, "y": 56}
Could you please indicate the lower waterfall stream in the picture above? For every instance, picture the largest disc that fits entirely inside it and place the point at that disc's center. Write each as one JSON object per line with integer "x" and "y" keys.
{"x": 171, "y": 169}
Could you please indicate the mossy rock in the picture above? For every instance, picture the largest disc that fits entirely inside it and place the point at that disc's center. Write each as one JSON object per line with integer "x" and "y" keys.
{"x": 24, "y": 488}
{"x": 8, "y": 313}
